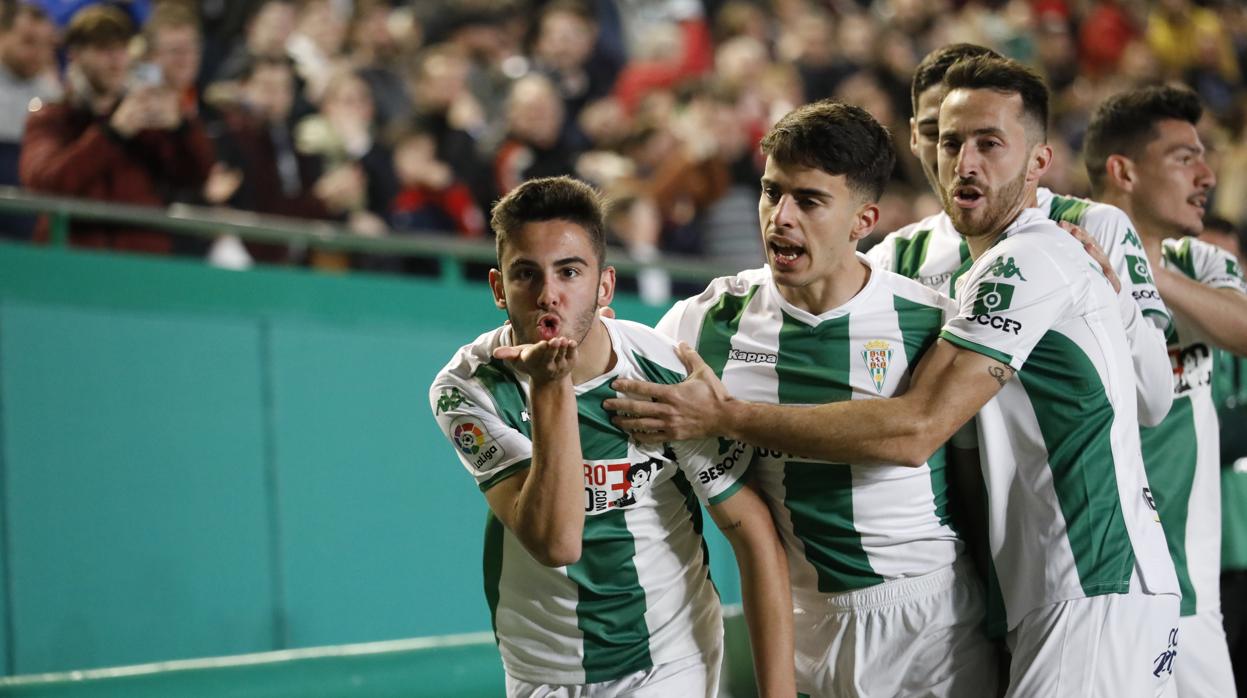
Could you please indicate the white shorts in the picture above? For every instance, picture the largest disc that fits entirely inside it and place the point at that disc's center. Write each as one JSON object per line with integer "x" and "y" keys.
{"x": 1106, "y": 646}
{"x": 920, "y": 636}
{"x": 1205, "y": 670}
{"x": 694, "y": 677}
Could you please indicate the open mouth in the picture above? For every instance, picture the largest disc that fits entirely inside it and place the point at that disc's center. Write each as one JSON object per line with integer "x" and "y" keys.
{"x": 548, "y": 327}
{"x": 1200, "y": 202}
{"x": 785, "y": 254}
{"x": 967, "y": 197}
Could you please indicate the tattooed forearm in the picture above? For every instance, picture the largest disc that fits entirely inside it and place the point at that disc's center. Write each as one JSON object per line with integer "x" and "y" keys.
{"x": 731, "y": 526}
{"x": 1001, "y": 375}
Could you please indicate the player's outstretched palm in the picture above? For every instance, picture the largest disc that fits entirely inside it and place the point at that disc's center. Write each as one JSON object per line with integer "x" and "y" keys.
{"x": 545, "y": 362}
{"x": 656, "y": 413}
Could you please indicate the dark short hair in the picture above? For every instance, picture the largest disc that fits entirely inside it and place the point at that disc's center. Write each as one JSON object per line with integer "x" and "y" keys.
{"x": 10, "y": 10}
{"x": 548, "y": 199}
{"x": 1126, "y": 122}
{"x": 99, "y": 25}
{"x": 930, "y": 72}
{"x": 839, "y": 139}
{"x": 1003, "y": 75}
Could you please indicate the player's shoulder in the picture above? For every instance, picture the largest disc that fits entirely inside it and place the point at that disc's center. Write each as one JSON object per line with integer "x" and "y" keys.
{"x": 910, "y": 289}
{"x": 1202, "y": 261}
{"x": 935, "y": 223}
{"x": 650, "y": 350}
{"x": 740, "y": 285}
{"x": 467, "y": 361}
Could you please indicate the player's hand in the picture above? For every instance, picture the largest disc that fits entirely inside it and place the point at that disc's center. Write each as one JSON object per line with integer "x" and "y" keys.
{"x": 656, "y": 413}
{"x": 544, "y": 362}
{"x": 1097, "y": 253}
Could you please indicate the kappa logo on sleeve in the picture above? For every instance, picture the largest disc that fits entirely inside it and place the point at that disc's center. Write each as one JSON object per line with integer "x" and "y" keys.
{"x": 1231, "y": 268}
{"x": 1132, "y": 238}
{"x": 449, "y": 400}
{"x": 470, "y": 437}
{"x": 1140, "y": 271}
{"x": 1005, "y": 269}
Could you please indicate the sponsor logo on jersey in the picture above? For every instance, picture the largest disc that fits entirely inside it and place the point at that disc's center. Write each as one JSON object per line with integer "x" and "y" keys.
{"x": 1163, "y": 664}
{"x": 1192, "y": 367}
{"x": 472, "y": 441}
{"x": 992, "y": 297}
{"x": 1140, "y": 271}
{"x": 731, "y": 454}
{"x": 935, "y": 280}
{"x": 1132, "y": 238}
{"x": 752, "y": 357}
{"x": 877, "y": 354}
{"x": 1145, "y": 294}
{"x": 1150, "y": 501}
{"x": 618, "y": 484}
{"x": 1005, "y": 269}
{"x": 449, "y": 400}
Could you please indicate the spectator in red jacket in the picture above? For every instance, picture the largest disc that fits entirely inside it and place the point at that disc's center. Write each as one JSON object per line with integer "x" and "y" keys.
{"x": 430, "y": 199}
{"x": 117, "y": 136}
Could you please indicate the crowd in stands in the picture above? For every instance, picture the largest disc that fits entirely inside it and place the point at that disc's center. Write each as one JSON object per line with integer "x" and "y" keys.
{"x": 398, "y": 118}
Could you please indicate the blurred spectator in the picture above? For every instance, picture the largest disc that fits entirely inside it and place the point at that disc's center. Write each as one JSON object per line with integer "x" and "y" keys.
{"x": 117, "y": 136}
{"x": 359, "y": 176}
{"x": 534, "y": 145}
{"x": 257, "y": 141}
{"x": 446, "y": 108}
{"x": 566, "y": 33}
{"x": 430, "y": 199}
{"x": 671, "y": 44}
{"x": 316, "y": 44}
{"x": 266, "y": 35}
{"x": 27, "y": 82}
{"x": 379, "y": 36}
{"x": 63, "y": 11}
{"x": 175, "y": 46}
{"x": 1186, "y": 37}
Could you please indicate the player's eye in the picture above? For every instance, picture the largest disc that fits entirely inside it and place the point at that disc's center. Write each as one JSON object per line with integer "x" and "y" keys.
{"x": 771, "y": 193}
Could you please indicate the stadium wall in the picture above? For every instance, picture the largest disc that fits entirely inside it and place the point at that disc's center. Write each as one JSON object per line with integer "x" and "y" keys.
{"x": 198, "y": 462}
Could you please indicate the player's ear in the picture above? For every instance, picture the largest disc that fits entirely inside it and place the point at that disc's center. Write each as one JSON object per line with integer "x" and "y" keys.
{"x": 495, "y": 285}
{"x": 606, "y": 287}
{"x": 865, "y": 220}
{"x": 1119, "y": 170}
{"x": 913, "y": 136}
{"x": 1041, "y": 160}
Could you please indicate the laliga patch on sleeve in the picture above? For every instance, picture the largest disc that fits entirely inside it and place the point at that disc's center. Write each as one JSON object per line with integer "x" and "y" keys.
{"x": 476, "y": 445}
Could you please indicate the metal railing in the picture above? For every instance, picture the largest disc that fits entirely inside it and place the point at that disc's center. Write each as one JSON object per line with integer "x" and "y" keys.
{"x": 211, "y": 222}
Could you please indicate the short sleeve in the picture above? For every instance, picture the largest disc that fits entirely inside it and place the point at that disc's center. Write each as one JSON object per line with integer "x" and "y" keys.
{"x": 714, "y": 467}
{"x": 1007, "y": 305}
{"x": 883, "y": 255}
{"x": 1112, "y": 229}
{"x": 490, "y": 449}
{"x": 1220, "y": 269}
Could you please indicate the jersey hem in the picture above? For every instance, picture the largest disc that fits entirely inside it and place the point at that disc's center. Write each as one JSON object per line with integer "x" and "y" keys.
{"x": 977, "y": 348}
{"x": 725, "y": 494}
{"x": 506, "y": 473}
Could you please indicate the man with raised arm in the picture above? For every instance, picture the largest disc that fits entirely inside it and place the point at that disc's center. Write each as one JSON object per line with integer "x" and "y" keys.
{"x": 1083, "y": 583}
{"x": 595, "y": 570}
{"x": 885, "y": 603}
{"x": 1144, "y": 156}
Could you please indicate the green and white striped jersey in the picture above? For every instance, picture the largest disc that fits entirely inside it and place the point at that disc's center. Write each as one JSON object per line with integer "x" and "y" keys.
{"x": 933, "y": 253}
{"x": 1183, "y": 453}
{"x": 1069, "y": 508}
{"x": 641, "y": 594}
{"x": 845, "y": 526}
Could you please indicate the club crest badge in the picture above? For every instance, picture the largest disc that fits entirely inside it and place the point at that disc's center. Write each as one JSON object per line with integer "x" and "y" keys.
{"x": 877, "y": 355}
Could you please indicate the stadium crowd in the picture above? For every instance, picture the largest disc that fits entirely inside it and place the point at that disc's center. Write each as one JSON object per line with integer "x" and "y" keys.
{"x": 400, "y": 117}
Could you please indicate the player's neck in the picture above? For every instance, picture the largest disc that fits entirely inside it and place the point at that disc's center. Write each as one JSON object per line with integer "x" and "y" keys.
{"x": 595, "y": 355}
{"x": 1150, "y": 235}
{"x": 833, "y": 290}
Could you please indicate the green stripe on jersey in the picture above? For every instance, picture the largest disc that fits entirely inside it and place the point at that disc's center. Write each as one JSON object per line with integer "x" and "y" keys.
{"x": 813, "y": 363}
{"x": 694, "y": 513}
{"x": 492, "y": 566}
{"x": 721, "y": 322}
{"x": 819, "y": 499}
{"x": 507, "y": 393}
{"x": 1179, "y": 255}
{"x": 611, "y": 608}
{"x": 920, "y": 326}
{"x": 656, "y": 372}
{"x": 966, "y": 263}
{"x": 911, "y": 253}
{"x": 976, "y": 347}
{"x": 1169, "y": 459}
{"x": 1075, "y": 418}
{"x": 1068, "y": 209}
{"x": 599, "y": 438}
